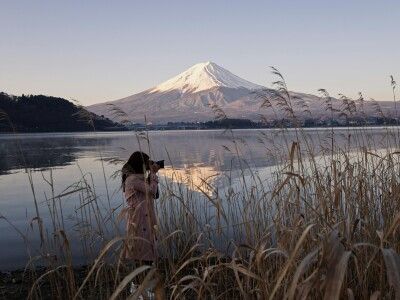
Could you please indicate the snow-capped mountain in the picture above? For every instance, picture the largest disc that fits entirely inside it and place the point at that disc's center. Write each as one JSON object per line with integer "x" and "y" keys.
{"x": 202, "y": 77}
{"x": 190, "y": 96}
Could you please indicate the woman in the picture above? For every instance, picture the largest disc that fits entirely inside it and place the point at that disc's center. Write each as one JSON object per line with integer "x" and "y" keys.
{"x": 140, "y": 183}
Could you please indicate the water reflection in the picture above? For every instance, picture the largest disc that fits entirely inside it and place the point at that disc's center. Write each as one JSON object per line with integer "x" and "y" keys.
{"x": 179, "y": 148}
{"x": 195, "y": 177}
{"x": 43, "y": 151}
{"x": 196, "y": 159}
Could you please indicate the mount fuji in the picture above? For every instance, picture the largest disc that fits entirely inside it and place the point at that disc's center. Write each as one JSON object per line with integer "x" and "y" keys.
{"x": 189, "y": 97}
{"x": 202, "y": 77}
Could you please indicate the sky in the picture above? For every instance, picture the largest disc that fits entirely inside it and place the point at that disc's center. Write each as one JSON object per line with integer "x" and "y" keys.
{"x": 96, "y": 51}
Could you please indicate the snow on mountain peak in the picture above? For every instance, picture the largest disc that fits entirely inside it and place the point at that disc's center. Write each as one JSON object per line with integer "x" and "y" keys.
{"x": 204, "y": 76}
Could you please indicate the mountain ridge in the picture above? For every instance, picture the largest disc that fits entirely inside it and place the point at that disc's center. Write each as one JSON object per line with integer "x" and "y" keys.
{"x": 190, "y": 96}
{"x": 187, "y": 96}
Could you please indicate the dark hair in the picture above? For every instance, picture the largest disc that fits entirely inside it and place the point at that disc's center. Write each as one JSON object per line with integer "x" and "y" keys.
{"x": 137, "y": 163}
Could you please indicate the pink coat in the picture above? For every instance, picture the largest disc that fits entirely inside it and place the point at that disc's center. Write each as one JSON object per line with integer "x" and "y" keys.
{"x": 141, "y": 217}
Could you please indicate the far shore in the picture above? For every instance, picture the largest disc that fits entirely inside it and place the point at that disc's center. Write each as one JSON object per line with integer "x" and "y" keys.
{"x": 128, "y": 132}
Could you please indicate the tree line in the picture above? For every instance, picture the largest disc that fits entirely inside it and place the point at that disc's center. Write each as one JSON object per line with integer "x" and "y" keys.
{"x": 40, "y": 113}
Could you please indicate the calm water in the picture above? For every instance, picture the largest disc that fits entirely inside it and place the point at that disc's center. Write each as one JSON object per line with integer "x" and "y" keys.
{"x": 67, "y": 156}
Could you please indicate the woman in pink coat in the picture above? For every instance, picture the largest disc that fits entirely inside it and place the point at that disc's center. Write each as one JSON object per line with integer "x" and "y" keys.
{"x": 140, "y": 184}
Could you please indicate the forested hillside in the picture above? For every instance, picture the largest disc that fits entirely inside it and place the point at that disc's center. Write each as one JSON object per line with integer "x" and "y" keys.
{"x": 39, "y": 113}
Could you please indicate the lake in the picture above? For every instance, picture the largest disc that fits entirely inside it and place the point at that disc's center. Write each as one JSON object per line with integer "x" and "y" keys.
{"x": 52, "y": 162}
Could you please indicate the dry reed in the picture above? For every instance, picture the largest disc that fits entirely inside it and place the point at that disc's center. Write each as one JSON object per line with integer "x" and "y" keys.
{"x": 324, "y": 225}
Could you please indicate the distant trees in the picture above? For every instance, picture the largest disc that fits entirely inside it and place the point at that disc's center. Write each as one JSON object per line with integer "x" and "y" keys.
{"x": 273, "y": 123}
{"x": 39, "y": 113}
{"x": 231, "y": 123}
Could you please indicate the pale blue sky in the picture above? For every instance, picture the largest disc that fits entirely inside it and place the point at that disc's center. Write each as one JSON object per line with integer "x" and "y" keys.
{"x": 95, "y": 51}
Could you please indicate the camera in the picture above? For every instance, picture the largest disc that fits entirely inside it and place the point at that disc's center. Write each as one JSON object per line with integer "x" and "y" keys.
{"x": 160, "y": 163}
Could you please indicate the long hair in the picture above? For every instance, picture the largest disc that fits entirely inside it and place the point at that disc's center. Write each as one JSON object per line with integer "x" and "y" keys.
{"x": 137, "y": 163}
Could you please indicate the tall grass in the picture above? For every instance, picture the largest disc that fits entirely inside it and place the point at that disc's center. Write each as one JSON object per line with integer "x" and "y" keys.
{"x": 323, "y": 223}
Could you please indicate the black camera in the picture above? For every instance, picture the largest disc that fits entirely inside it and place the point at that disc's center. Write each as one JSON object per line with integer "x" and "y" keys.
{"x": 160, "y": 163}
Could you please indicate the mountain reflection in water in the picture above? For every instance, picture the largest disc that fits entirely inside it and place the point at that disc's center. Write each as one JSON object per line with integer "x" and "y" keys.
{"x": 195, "y": 177}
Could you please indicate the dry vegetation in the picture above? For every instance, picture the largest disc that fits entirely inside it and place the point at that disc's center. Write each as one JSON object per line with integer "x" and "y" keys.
{"x": 325, "y": 225}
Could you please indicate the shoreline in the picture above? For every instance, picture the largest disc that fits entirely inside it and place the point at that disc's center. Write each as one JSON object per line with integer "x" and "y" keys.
{"x": 129, "y": 132}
